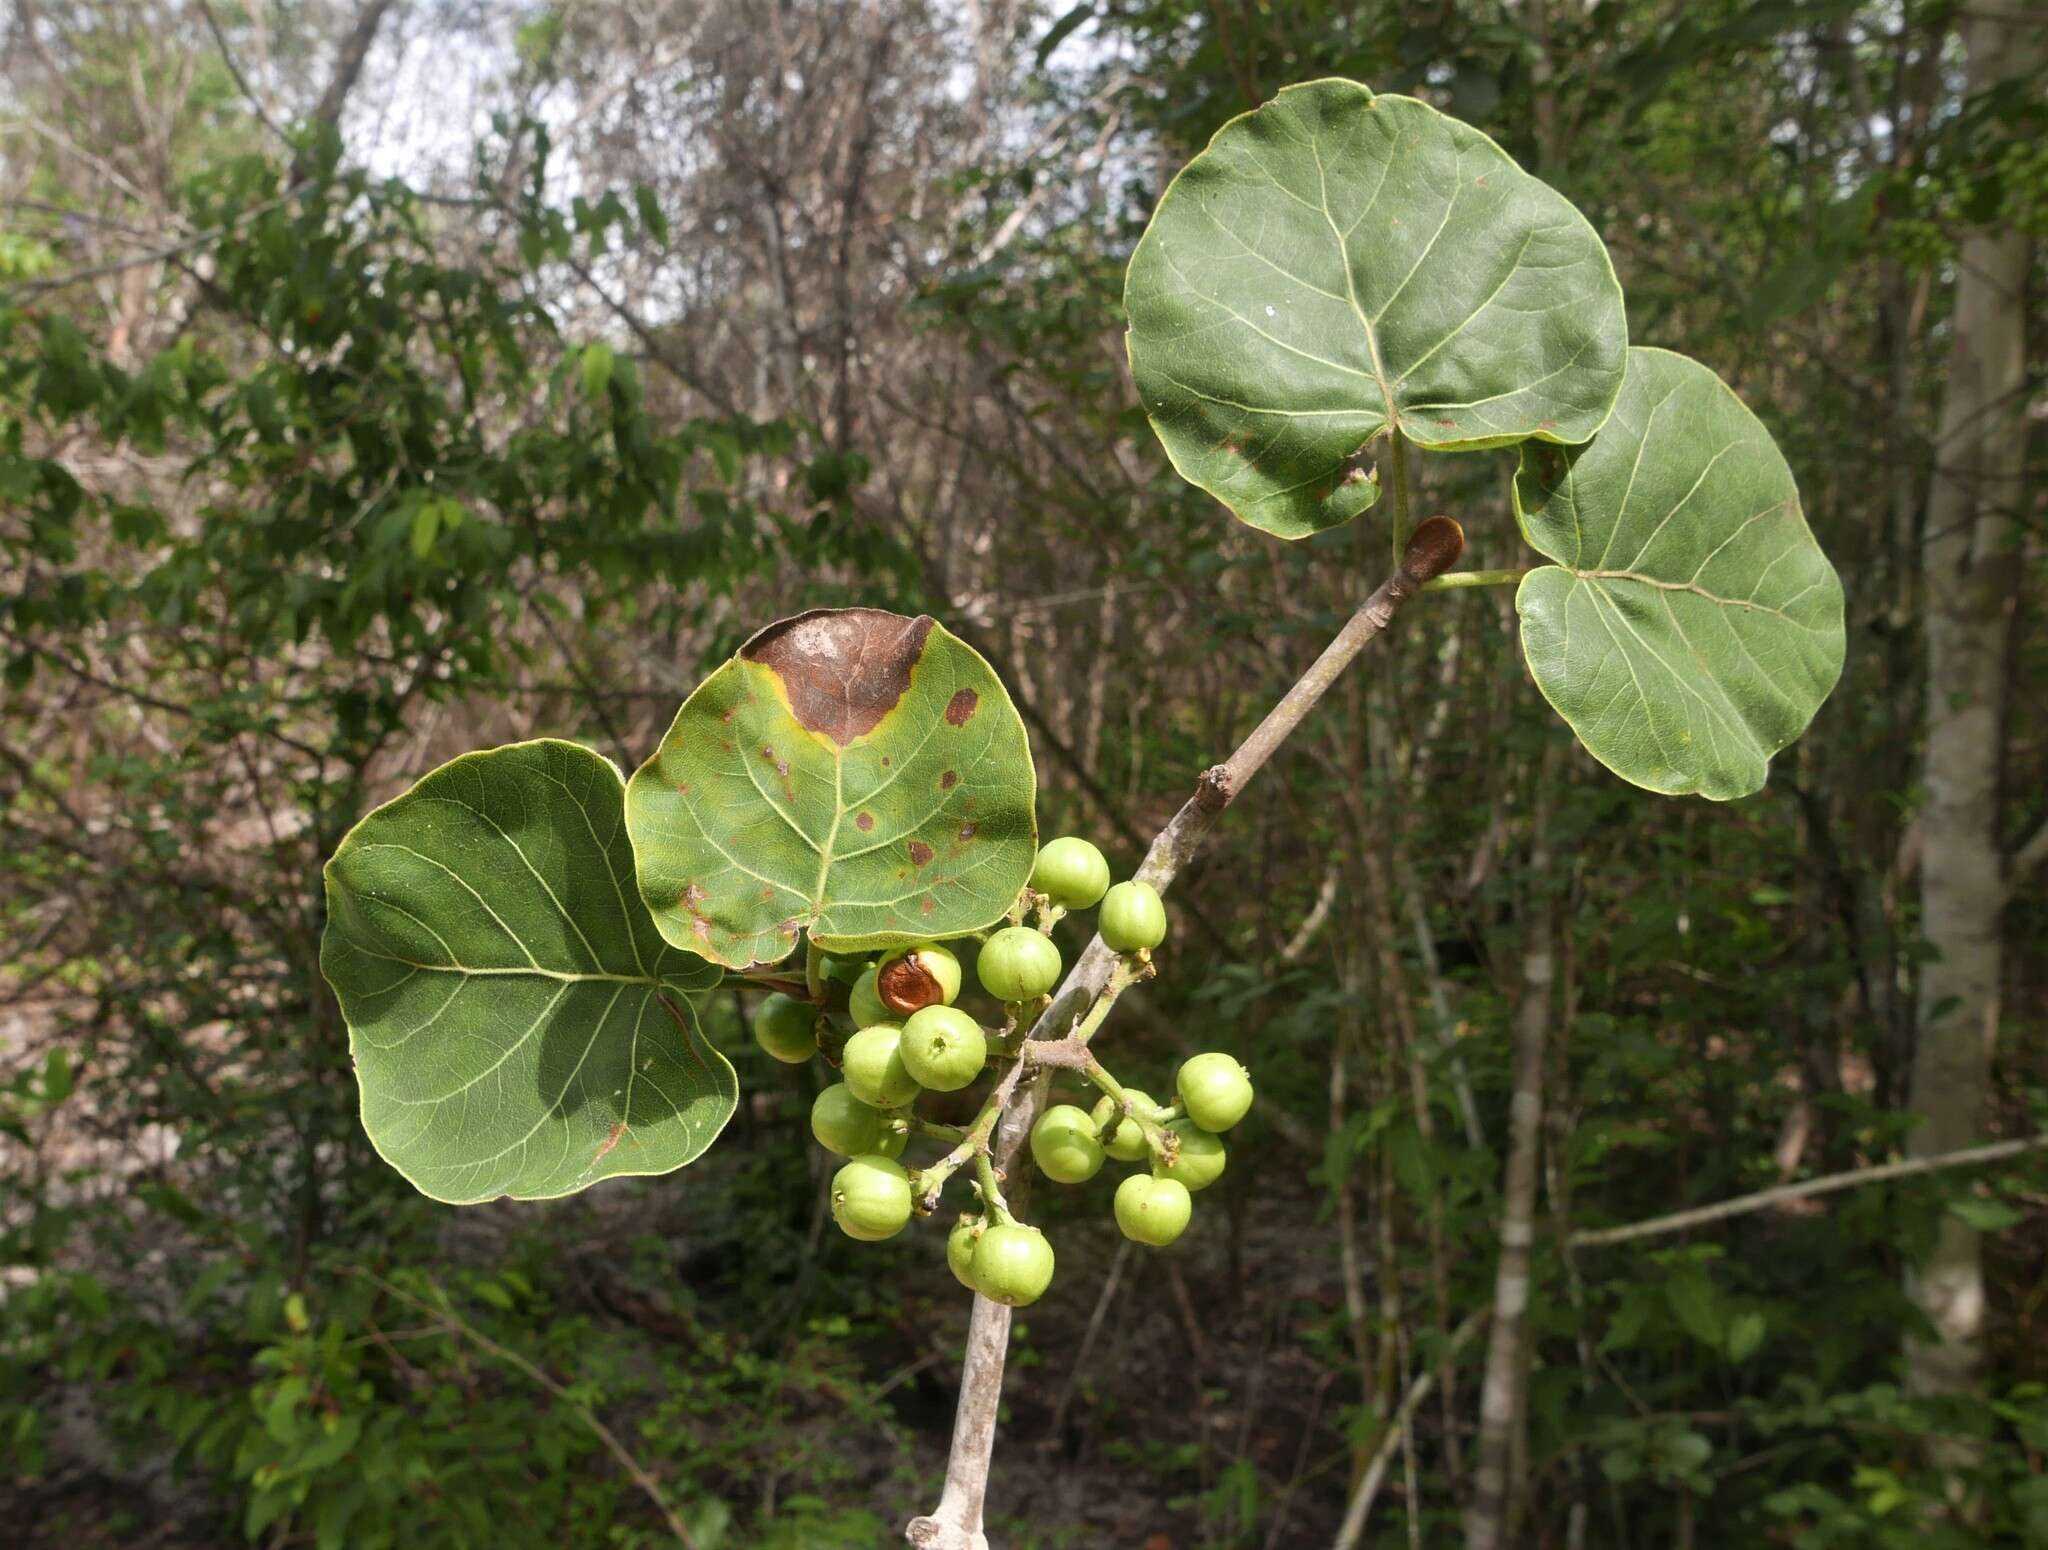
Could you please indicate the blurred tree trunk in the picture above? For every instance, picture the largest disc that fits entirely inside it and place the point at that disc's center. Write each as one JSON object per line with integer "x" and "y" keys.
{"x": 1968, "y": 557}
{"x": 1503, "y": 1401}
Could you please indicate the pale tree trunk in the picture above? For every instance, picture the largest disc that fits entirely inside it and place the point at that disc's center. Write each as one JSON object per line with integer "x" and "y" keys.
{"x": 1969, "y": 558}
{"x": 1503, "y": 1391}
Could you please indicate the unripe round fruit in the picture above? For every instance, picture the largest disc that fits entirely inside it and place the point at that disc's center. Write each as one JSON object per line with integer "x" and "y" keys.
{"x": 786, "y": 1028}
{"x": 915, "y": 977}
{"x": 1012, "y": 1264}
{"x": 843, "y": 1124}
{"x": 845, "y": 970}
{"x": 1065, "y": 1146}
{"x": 871, "y": 1198}
{"x": 960, "y": 1244}
{"x": 1215, "y": 1090}
{"x": 1132, "y": 917}
{"x": 1071, "y": 872}
{"x": 865, "y": 1003}
{"x": 1153, "y": 1211}
{"x": 1127, "y": 1142}
{"x": 1199, "y": 1162}
{"x": 872, "y": 1064}
{"x": 1017, "y": 964}
{"x": 943, "y": 1048}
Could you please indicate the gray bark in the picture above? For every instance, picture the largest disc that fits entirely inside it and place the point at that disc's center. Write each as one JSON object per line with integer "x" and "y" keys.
{"x": 1503, "y": 1392}
{"x": 1969, "y": 563}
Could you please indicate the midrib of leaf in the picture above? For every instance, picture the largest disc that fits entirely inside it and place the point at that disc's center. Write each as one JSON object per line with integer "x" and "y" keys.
{"x": 1701, "y": 592}
{"x": 513, "y": 971}
{"x": 1372, "y": 340}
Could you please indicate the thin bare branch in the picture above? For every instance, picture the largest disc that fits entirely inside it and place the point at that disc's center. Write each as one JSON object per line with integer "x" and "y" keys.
{"x": 956, "y": 1523}
{"x": 1764, "y": 1199}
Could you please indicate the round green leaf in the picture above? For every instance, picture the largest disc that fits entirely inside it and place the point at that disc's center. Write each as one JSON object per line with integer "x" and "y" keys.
{"x": 1691, "y": 626}
{"x": 851, "y": 772}
{"x": 1335, "y": 263}
{"x": 518, "y": 1026}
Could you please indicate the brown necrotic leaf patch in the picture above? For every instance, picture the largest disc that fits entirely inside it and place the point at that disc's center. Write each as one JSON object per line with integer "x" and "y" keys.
{"x": 961, "y": 707}
{"x": 920, "y": 853}
{"x": 843, "y": 669}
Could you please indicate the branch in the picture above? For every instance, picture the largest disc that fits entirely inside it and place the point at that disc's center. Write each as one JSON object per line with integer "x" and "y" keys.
{"x": 511, "y": 1358}
{"x": 1418, "y": 1391}
{"x": 956, "y": 1523}
{"x": 2032, "y": 852}
{"x": 1762, "y": 1200}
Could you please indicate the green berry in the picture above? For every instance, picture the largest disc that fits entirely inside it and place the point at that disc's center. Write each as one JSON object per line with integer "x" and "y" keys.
{"x": 871, "y": 1198}
{"x": 1132, "y": 917}
{"x": 1199, "y": 1162}
{"x": 872, "y": 1064}
{"x": 865, "y": 1003}
{"x": 1215, "y": 1090}
{"x": 960, "y": 1244}
{"x": 1071, "y": 872}
{"x": 1012, "y": 1264}
{"x": 786, "y": 1028}
{"x": 915, "y": 977}
{"x": 1127, "y": 1142}
{"x": 1153, "y": 1211}
{"x": 895, "y": 1137}
{"x": 1018, "y": 964}
{"x": 844, "y": 970}
{"x": 843, "y": 1124}
{"x": 1065, "y": 1146}
{"x": 943, "y": 1048}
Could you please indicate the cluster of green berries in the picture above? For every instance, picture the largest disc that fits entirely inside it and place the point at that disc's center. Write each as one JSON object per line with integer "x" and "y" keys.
{"x": 908, "y": 1037}
{"x": 1182, "y": 1141}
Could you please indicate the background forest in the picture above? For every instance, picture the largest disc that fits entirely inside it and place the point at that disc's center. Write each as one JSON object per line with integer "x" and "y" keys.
{"x": 381, "y": 379}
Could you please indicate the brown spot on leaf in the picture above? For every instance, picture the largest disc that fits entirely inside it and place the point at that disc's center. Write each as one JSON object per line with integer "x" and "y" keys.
{"x": 967, "y": 831}
{"x": 1449, "y": 425}
{"x": 961, "y": 707}
{"x": 702, "y": 927}
{"x": 610, "y": 1141}
{"x": 682, "y": 788}
{"x": 925, "y": 905}
{"x": 767, "y": 895}
{"x": 885, "y": 761}
{"x": 693, "y": 896}
{"x": 949, "y": 780}
{"x": 727, "y": 716}
{"x": 843, "y": 669}
{"x": 920, "y": 853}
{"x": 864, "y": 822}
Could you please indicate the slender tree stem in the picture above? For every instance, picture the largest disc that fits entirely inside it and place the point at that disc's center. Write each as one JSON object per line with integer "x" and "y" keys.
{"x": 956, "y": 1523}
{"x": 1764, "y": 1199}
{"x": 1369, "y": 1484}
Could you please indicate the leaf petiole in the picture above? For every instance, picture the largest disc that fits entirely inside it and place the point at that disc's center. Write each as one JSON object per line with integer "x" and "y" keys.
{"x": 1474, "y": 578}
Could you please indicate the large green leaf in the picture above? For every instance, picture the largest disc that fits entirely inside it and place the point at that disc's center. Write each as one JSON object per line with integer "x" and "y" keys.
{"x": 1691, "y": 626}
{"x": 851, "y": 772}
{"x": 1336, "y": 263}
{"x": 518, "y": 1026}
